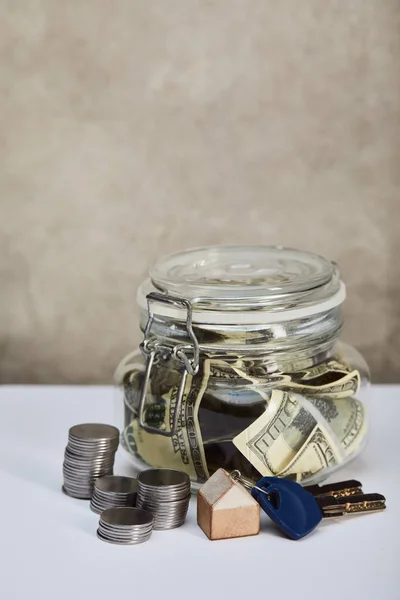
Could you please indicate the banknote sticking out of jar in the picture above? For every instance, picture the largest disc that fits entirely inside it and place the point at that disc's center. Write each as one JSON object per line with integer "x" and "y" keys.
{"x": 241, "y": 367}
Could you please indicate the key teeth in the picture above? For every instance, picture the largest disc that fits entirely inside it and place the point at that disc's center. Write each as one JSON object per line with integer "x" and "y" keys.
{"x": 340, "y": 489}
{"x": 361, "y": 503}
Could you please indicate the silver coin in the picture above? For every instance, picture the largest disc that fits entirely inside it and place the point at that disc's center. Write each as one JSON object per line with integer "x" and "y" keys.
{"x": 163, "y": 492}
{"x": 102, "y": 506}
{"x": 127, "y": 500}
{"x": 89, "y": 455}
{"x": 160, "y": 499}
{"x": 94, "y": 473}
{"x": 112, "y": 501}
{"x": 116, "y": 484}
{"x": 94, "y": 432}
{"x": 78, "y": 484}
{"x": 80, "y": 459}
{"x": 64, "y": 491}
{"x": 164, "y": 527}
{"x": 162, "y": 488}
{"x": 171, "y": 517}
{"x": 92, "y": 457}
{"x": 127, "y": 516}
{"x": 124, "y": 531}
{"x": 105, "y": 494}
{"x": 167, "y": 516}
{"x": 113, "y": 498}
{"x": 123, "y": 543}
{"x": 156, "y": 501}
{"x": 77, "y": 495}
{"x": 85, "y": 477}
{"x": 91, "y": 444}
{"x": 73, "y": 485}
{"x": 165, "y": 505}
{"x": 128, "y": 535}
{"x": 131, "y": 538}
{"x": 89, "y": 468}
{"x": 163, "y": 478}
{"x": 99, "y": 507}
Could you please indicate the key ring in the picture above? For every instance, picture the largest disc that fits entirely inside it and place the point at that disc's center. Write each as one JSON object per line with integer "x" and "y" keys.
{"x": 237, "y": 476}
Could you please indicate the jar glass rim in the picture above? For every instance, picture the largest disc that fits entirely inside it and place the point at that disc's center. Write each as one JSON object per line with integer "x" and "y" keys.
{"x": 240, "y": 271}
{"x": 244, "y": 284}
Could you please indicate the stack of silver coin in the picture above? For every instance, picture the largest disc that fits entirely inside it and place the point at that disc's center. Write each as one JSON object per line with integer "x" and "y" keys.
{"x": 166, "y": 494}
{"x": 125, "y": 525}
{"x": 89, "y": 455}
{"x": 113, "y": 491}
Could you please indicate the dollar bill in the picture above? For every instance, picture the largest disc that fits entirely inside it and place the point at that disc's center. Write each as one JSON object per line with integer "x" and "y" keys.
{"x": 318, "y": 452}
{"x": 347, "y": 386}
{"x": 184, "y": 450}
{"x": 328, "y": 367}
{"x": 329, "y": 379}
{"x": 235, "y": 385}
{"x": 346, "y": 419}
{"x": 274, "y": 440}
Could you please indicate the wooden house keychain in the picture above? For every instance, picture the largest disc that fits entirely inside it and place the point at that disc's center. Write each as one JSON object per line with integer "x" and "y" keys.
{"x": 296, "y": 510}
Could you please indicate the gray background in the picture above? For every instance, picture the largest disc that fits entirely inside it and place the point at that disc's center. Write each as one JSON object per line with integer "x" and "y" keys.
{"x": 130, "y": 129}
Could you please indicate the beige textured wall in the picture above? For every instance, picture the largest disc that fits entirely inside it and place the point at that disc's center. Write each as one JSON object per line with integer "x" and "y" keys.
{"x": 131, "y": 128}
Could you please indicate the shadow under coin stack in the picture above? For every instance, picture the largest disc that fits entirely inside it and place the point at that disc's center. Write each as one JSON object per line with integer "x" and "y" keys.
{"x": 166, "y": 494}
{"x": 125, "y": 526}
{"x": 89, "y": 455}
{"x": 113, "y": 491}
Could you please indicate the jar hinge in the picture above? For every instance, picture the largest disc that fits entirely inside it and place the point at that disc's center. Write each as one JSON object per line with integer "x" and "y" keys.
{"x": 151, "y": 349}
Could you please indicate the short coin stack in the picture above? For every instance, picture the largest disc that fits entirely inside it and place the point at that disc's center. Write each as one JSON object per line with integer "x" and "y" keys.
{"x": 166, "y": 494}
{"x": 125, "y": 526}
{"x": 113, "y": 491}
{"x": 89, "y": 454}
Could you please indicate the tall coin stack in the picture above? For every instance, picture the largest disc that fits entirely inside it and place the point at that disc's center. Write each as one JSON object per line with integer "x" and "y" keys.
{"x": 166, "y": 494}
{"x": 89, "y": 455}
{"x": 113, "y": 491}
{"x": 125, "y": 525}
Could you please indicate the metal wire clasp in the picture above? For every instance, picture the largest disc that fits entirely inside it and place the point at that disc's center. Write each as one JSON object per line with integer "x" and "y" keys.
{"x": 187, "y": 354}
{"x": 246, "y": 483}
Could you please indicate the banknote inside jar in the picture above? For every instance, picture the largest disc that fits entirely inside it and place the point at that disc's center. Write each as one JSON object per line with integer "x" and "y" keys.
{"x": 300, "y": 422}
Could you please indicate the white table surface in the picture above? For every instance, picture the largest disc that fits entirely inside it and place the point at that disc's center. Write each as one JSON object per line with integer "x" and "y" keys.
{"x": 49, "y": 549}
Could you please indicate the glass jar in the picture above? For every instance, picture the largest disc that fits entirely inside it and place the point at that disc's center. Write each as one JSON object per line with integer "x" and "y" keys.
{"x": 241, "y": 367}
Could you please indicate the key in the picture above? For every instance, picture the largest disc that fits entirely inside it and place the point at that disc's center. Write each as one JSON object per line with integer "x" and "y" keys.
{"x": 361, "y": 503}
{"x": 337, "y": 490}
{"x": 297, "y": 511}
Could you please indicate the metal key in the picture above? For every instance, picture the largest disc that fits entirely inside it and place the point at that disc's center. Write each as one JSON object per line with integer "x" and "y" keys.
{"x": 351, "y": 487}
{"x": 297, "y": 511}
{"x": 357, "y": 504}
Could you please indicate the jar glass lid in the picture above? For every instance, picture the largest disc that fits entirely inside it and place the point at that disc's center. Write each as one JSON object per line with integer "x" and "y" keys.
{"x": 242, "y": 278}
{"x": 231, "y": 271}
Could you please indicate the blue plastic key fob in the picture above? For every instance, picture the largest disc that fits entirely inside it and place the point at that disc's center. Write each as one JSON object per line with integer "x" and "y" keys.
{"x": 294, "y": 510}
